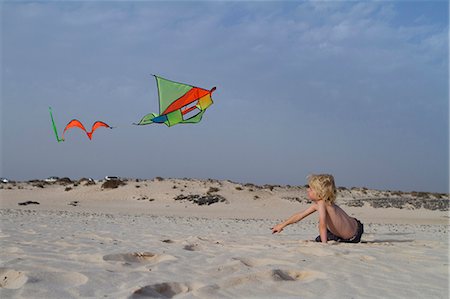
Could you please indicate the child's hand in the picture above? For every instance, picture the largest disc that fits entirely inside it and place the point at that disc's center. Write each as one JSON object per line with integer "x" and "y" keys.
{"x": 277, "y": 228}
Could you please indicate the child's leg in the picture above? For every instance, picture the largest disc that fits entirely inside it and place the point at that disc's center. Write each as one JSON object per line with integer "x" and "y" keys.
{"x": 330, "y": 237}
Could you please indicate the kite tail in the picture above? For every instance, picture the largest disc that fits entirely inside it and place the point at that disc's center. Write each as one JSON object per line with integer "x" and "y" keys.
{"x": 146, "y": 120}
{"x": 72, "y": 124}
{"x": 54, "y": 126}
{"x": 95, "y": 126}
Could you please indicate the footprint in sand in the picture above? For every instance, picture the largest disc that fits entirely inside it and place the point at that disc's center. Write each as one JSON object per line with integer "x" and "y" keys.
{"x": 193, "y": 243}
{"x": 162, "y": 290}
{"x": 366, "y": 258}
{"x": 138, "y": 257}
{"x": 61, "y": 279}
{"x": 12, "y": 279}
{"x": 293, "y": 275}
{"x": 275, "y": 275}
{"x": 270, "y": 276}
{"x": 240, "y": 263}
{"x": 192, "y": 247}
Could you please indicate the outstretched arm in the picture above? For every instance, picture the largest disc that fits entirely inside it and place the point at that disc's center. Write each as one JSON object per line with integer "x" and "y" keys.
{"x": 322, "y": 221}
{"x": 295, "y": 218}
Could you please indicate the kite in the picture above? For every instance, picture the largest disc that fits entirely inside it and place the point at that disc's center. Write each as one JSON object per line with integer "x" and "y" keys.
{"x": 179, "y": 103}
{"x": 76, "y": 123}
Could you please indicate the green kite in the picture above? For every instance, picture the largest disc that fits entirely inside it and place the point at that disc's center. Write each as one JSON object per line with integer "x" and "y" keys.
{"x": 179, "y": 103}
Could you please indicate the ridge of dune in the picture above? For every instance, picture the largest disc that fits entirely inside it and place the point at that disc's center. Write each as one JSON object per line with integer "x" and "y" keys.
{"x": 224, "y": 199}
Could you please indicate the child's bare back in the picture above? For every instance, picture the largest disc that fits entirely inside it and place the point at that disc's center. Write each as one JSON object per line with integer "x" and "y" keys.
{"x": 339, "y": 223}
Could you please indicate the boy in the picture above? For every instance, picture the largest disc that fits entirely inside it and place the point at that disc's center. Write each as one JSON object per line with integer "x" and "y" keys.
{"x": 334, "y": 223}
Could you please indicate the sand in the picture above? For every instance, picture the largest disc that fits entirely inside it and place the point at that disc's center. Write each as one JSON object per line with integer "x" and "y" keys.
{"x": 137, "y": 241}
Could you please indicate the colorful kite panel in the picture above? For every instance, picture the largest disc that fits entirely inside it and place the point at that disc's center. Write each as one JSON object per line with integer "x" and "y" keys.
{"x": 179, "y": 103}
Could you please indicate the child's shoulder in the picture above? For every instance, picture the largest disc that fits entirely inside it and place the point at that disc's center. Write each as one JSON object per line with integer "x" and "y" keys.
{"x": 332, "y": 206}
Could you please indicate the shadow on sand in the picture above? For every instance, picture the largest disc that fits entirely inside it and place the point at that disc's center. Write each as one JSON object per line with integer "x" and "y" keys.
{"x": 387, "y": 241}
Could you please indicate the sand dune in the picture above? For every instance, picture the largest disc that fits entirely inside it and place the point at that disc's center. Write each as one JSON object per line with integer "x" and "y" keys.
{"x": 139, "y": 242}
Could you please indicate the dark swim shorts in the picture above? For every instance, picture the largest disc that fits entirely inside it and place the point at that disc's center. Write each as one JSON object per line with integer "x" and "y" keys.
{"x": 355, "y": 239}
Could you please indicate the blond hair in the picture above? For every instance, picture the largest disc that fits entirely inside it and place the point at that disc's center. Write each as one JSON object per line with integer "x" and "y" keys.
{"x": 324, "y": 187}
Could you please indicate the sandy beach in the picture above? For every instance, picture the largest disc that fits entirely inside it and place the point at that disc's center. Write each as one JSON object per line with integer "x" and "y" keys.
{"x": 187, "y": 238}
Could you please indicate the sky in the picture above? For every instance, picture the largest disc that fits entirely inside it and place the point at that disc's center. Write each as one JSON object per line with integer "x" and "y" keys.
{"x": 356, "y": 89}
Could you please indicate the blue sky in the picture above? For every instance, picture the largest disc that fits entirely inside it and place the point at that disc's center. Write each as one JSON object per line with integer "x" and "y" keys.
{"x": 356, "y": 89}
